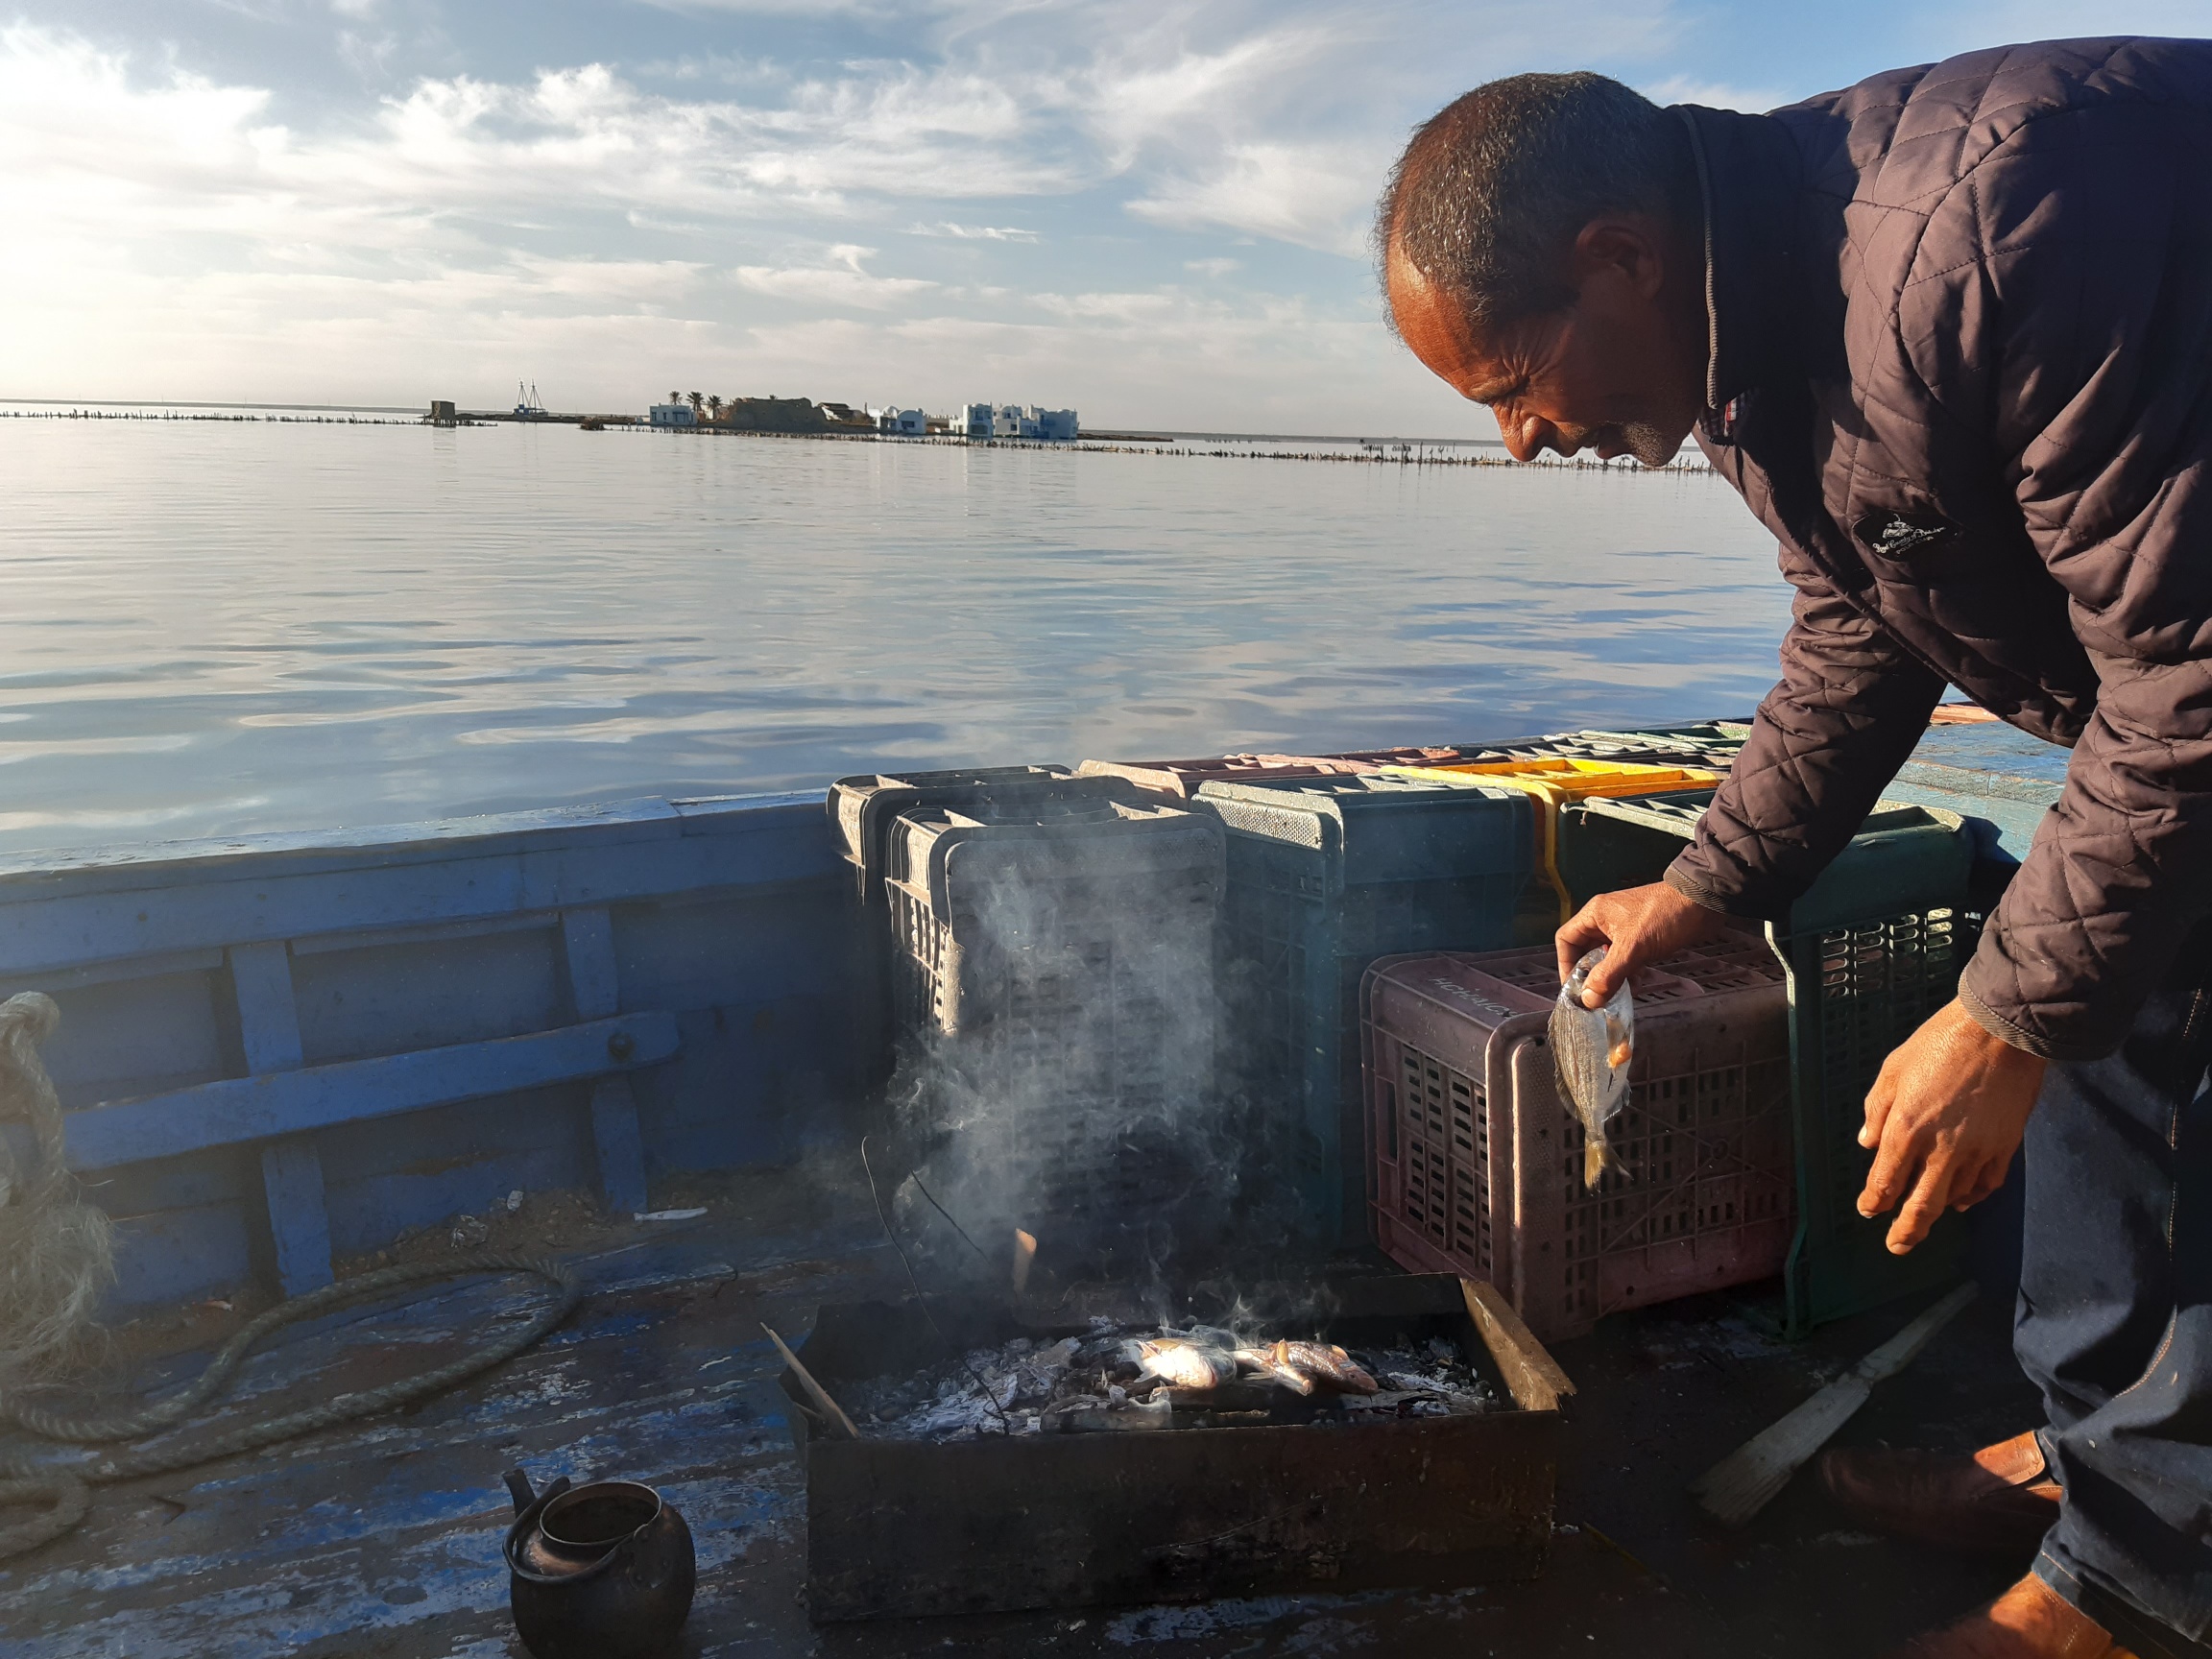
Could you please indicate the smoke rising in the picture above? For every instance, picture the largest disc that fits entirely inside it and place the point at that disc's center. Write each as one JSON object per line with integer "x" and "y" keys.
{"x": 1061, "y": 1003}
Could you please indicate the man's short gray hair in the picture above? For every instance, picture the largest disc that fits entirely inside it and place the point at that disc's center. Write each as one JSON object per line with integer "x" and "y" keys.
{"x": 1492, "y": 190}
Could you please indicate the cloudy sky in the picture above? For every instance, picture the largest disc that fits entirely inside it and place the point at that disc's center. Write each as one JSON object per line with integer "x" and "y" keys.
{"x": 1153, "y": 210}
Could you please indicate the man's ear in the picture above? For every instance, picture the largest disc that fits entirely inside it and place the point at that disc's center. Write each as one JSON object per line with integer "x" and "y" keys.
{"x": 1628, "y": 248}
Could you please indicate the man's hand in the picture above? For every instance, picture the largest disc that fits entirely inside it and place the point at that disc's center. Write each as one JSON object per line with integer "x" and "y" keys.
{"x": 1946, "y": 1114}
{"x": 1636, "y": 926}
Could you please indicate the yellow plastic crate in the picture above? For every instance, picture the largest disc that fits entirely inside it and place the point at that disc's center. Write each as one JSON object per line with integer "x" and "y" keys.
{"x": 1556, "y": 784}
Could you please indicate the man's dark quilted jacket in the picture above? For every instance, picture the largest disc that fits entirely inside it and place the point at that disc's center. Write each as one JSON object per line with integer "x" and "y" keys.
{"x": 1962, "y": 367}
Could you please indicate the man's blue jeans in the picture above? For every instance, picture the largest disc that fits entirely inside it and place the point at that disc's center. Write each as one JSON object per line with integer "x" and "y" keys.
{"x": 2115, "y": 1319}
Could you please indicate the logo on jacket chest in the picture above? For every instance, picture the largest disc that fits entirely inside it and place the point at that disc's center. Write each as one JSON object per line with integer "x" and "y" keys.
{"x": 1902, "y": 535}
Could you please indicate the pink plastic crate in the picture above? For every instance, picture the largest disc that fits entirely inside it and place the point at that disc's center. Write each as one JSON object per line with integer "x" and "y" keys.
{"x": 1475, "y": 1161}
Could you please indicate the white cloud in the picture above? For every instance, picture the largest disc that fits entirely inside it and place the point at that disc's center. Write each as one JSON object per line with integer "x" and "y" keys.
{"x": 1687, "y": 89}
{"x": 1306, "y": 194}
{"x": 1040, "y": 167}
{"x": 973, "y": 232}
{"x": 844, "y": 281}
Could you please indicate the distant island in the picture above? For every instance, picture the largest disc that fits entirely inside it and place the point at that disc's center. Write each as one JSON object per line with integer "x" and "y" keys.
{"x": 709, "y": 412}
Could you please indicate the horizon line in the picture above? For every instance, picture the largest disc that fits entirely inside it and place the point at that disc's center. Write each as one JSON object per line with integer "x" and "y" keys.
{"x": 1164, "y": 433}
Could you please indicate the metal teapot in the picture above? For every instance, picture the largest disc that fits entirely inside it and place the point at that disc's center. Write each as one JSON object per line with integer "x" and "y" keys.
{"x": 603, "y": 1571}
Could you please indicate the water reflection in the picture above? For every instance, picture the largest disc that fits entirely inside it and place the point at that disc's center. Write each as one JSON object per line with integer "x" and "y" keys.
{"x": 216, "y": 628}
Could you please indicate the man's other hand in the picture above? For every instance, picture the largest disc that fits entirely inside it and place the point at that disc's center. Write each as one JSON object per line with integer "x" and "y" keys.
{"x": 1946, "y": 1115}
{"x": 1636, "y": 926}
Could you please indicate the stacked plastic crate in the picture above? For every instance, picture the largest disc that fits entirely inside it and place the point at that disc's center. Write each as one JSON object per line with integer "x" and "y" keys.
{"x": 1554, "y": 782}
{"x": 1051, "y": 953}
{"x": 863, "y": 811}
{"x": 1707, "y": 743}
{"x": 1872, "y": 948}
{"x": 1324, "y": 876}
{"x": 1183, "y": 779}
{"x": 1180, "y": 779}
{"x": 1478, "y": 1167}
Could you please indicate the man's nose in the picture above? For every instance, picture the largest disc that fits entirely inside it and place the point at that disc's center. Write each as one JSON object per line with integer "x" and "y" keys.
{"x": 1526, "y": 436}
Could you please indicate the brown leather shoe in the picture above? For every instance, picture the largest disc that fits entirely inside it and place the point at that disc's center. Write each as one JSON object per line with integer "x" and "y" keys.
{"x": 2028, "y": 1621}
{"x": 1999, "y": 1501}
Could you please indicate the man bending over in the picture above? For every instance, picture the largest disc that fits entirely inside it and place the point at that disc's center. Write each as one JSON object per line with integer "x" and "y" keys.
{"x": 1949, "y": 334}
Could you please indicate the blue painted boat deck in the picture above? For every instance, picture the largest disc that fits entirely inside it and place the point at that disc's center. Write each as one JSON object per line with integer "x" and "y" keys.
{"x": 383, "y": 1538}
{"x": 279, "y": 1054}
{"x": 1999, "y": 776}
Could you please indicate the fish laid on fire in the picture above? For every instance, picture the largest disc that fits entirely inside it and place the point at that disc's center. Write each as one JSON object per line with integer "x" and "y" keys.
{"x": 1183, "y": 1363}
{"x": 1262, "y": 1361}
{"x": 1300, "y": 1366}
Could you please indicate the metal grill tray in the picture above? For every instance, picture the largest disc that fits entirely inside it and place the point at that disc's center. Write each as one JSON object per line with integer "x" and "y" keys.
{"x": 897, "y": 1528}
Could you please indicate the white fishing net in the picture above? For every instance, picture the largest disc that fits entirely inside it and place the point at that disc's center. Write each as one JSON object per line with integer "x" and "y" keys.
{"x": 57, "y": 1252}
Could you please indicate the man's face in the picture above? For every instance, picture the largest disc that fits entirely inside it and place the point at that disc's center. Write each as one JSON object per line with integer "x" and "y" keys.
{"x": 1617, "y": 372}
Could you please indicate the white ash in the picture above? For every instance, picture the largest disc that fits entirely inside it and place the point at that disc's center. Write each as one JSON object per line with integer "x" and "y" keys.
{"x": 1026, "y": 1387}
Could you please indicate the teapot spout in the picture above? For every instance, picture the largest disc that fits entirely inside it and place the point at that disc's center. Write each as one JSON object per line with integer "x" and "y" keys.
{"x": 518, "y": 1489}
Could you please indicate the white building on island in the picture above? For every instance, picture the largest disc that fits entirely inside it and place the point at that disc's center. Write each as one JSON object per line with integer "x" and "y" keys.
{"x": 980, "y": 421}
{"x": 672, "y": 414}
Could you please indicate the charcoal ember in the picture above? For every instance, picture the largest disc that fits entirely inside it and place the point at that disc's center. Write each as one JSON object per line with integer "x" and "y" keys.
{"x": 1090, "y": 1383}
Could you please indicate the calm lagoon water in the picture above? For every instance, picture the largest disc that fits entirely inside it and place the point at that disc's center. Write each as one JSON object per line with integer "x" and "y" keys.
{"x": 215, "y": 629}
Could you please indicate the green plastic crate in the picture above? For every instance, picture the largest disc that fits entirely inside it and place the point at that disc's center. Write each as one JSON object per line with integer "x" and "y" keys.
{"x": 1873, "y": 949}
{"x": 1714, "y": 743}
{"x": 1325, "y": 876}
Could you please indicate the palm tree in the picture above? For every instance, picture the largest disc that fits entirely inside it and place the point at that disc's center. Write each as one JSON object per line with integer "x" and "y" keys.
{"x": 675, "y": 396}
{"x": 697, "y": 402}
{"x": 715, "y": 402}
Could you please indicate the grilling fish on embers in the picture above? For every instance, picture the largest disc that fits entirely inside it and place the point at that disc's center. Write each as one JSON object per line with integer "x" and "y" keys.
{"x": 1319, "y": 1363}
{"x": 1185, "y": 1364}
{"x": 1262, "y": 1361}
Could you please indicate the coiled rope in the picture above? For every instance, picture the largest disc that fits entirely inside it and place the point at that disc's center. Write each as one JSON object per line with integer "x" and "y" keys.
{"x": 62, "y": 1488}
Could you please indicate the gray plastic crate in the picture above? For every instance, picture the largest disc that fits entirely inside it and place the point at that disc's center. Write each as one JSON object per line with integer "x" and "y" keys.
{"x": 1057, "y": 971}
{"x": 863, "y": 809}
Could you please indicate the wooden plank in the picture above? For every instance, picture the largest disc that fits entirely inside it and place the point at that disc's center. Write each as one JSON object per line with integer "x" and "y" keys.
{"x": 186, "y": 906}
{"x": 298, "y": 1218}
{"x": 588, "y": 936}
{"x": 307, "y": 849}
{"x": 291, "y": 1169}
{"x": 268, "y": 1014}
{"x": 140, "y": 865}
{"x": 1537, "y": 1382}
{"x": 594, "y": 981}
{"x": 56, "y": 981}
{"x": 427, "y": 933}
{"x": 620, "y": 1143}
{"x": 238, "y": 1109}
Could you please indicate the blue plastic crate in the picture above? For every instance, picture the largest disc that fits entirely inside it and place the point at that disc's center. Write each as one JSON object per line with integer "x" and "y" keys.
{"x": 1325, "y": 876}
